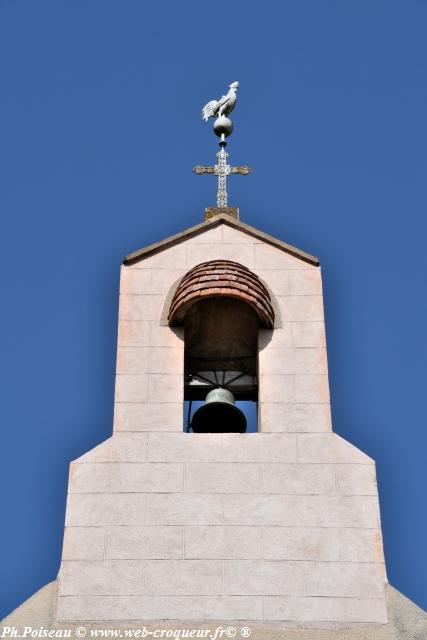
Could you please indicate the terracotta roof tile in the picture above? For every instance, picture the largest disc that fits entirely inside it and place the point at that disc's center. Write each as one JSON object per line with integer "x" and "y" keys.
{"x": 221, "y": 278}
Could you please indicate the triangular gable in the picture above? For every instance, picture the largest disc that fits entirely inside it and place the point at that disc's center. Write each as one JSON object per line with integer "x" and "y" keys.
{"x": 135, "y": 256}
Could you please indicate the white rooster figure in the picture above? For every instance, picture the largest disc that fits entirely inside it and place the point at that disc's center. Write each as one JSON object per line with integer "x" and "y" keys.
{"x": 223, "y": 106}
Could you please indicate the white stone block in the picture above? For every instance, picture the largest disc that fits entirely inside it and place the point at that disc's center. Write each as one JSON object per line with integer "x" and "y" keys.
{"x": 361, "y": 545}
{"x": 163, "y": 279}
{"x": 359, "y": 511}
{"x": 285, "y": 361}
{"x": 356, "y": 479}
{"x": 222, "y": 542}
{"x": 133, "y": 333}
{"x": 132, "y": 360}
{"x": 98, "y": 509}
{"x": 222, "y": 608}
{"x": 311, "y": 388}
{"x": 276, "y": 417}
{"x": 183, "y": 577}
{"x": 269, "y": 257}
{"x": 135, "y": 281}
{"x": 366, "y": 610}
{"x": 277, "y": 280}
{"x": 167, "y": 360}
{"x": 164, "y": 360}
{"x": 129, "y": 447}
{"x": 134, "y": 477}
{"x": 80, "y": 608}
{"x": 165, "y": 387}
{"x": 94, "y": 608}
{"x": 107, "y": 577}
{"x": 344, "y": 579}
{"x": 301, "y": 308}
{"x": 88, "y": 477}
{"x": 174, "y": 255}
{"x": 305, "y": 282}
{"x": 308, "y": 334}
{"x": 209, "y": 236}
{"x": 184, "y": 447}
{"x": 153, "y": 416}
{"x": 298, "y": 478}
{"x": 140, "y": 307}
{"x": 277, "y": 338}
{"x": 83, "y": 543}
{"x": 263, "y": 577}
{"x": 328, "y": 447}
{"x": 301, "y": 510}
{"x": 131, "y": 388}
{"x": 258, "y": 447}
{"x": 130, "y": 543}
{"x": 300, "y": 543}
{"x": 218, "y": 477}
{"x": 260, "y": 509}
{"x": 289, "y": 608}
{"x": 238, "y": 252}
{"x": 234, "y": 236}
{"x": 276, "y": 388}
{"x": 164, "y": 336}
{"x": 181, "y": 508}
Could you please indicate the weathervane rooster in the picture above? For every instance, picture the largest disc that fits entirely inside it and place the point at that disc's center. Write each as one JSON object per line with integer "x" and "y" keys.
{"x": 223, "y": 106}
{"x": 223, "y": 128}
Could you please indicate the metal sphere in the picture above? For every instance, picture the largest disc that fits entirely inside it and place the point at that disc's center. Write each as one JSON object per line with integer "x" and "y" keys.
{"x": 223, "y": 126}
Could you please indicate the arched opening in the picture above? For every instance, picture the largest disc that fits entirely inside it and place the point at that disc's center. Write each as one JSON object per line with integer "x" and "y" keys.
{"x": 221, "y": 306}
{"x": 221, "y": 352}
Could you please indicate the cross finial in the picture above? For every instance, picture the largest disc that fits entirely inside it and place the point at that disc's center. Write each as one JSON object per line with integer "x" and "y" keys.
{"x": 223, "y": 128}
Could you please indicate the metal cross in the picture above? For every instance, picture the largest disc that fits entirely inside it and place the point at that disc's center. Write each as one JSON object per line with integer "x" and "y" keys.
{"x": 222, "y": 170}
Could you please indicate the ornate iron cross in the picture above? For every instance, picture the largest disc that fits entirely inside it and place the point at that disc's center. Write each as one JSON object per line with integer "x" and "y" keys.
{"x": 222, "y": 170}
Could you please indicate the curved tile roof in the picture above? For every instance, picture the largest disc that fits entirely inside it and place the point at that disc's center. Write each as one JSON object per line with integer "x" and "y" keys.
{"x": 221, "y": 278}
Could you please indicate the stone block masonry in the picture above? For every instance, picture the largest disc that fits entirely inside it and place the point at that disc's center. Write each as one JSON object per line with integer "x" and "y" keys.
{"x": 248, "y": 525}
{"x": 282, "y": 525}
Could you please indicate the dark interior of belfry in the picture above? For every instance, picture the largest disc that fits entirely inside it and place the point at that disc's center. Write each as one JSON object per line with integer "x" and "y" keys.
{"x": 220, "y": 364}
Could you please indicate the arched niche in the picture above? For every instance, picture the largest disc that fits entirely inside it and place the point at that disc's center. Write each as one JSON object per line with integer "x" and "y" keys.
{"x": 221, "y": 305}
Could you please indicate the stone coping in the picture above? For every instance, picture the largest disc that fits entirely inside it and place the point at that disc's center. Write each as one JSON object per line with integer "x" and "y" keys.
{"x": 135, "y": 256}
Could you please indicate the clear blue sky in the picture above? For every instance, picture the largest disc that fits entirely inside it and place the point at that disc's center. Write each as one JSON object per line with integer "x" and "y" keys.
{"x": 99, "y": 131}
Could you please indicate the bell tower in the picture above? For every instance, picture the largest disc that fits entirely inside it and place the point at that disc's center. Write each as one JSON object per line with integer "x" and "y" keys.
{"x": 198, "y": 519}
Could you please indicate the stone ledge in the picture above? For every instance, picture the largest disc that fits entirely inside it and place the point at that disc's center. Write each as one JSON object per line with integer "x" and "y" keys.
{"x": 407, "y": 622}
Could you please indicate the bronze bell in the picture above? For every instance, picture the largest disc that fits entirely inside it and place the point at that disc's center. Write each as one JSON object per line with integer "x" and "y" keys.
{"x": 219, "y": 414}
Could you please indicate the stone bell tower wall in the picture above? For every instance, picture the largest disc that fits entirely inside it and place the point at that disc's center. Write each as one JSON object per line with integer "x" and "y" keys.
{"x": 293, "y": 394}
{"x": 280, "y": 525}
